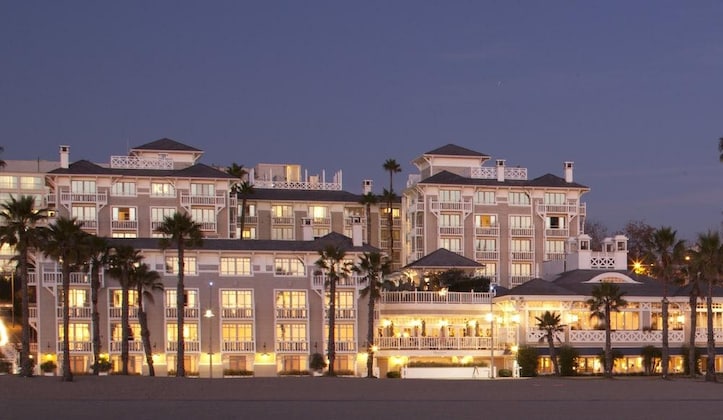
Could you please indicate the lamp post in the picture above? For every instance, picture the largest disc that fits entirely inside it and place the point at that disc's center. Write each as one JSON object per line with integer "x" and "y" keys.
{"x": 209, "y": 314}
{"x": 492, "y": 332}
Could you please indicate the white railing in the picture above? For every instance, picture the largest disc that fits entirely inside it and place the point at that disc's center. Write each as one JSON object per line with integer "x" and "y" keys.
{"x": 136, "y": 162}
{"x": 188, "y": 345}
{"x": 554, "y": 256}
{"x": 384, "y": 221}
{"x": 33, "y": 312}
{"x": 251, "y": 220}
{"x": 238, "y": 346}
{"x": 411, "y": 297}
{"x": 133, "y": 346}
{"x": 490, "y": 172}
{"x": 384, "y": 244}
{"x": 292, "y": 346}
{"x": 203, "y": 200}
{"x": 208, "y": 226}
{"x": 187, "y": 312}
{"x": 76, "y": 346}
{"x": 418, "y": 231}
{"x": 486, "y": 255}
{"x": 298, "y": 185}
{"x": 342, "y": 346}
{"x": 319, "y": 281}
{"x": 436, "y": 205}
{"x": 292, "y": 313}
{"x": 436, "y": 343}
{"x": 518, "y": 280}
{"x": 557, "y": 233}
{"x": 89, "y": 224}
{"x": 56, "y": 278}
{"x": 95, "y": 198}
{"x": 76, "y": 312}
{"x": 237, "y": 313}
{"x": 701, "y": 334}
{"x": 571, "y": 207}
{"x": 537, "y": 336}
{"x": 282, "y": 220}
{"x": 522, "y": 231}
{"x": 124, "y": 224}
{"x": 451, "y": 230}
{"x": 343, "y": 313}
{"x": 522, "y": 255}
{"x": 487, "y": 230}
{"x": 625, "y": 336}
{"x": 117, "y": 312}
{"x": 32, "y": 278}
{"x": 351, "y": 220}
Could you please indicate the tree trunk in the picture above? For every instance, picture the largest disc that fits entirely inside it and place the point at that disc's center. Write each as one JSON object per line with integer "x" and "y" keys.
{"x": 145, "y": 333}
{"x": 125, "y": 324}
{"x": 67, "y": 374}
{"x": 180, "y": 305}
{"x": 710, "y": 363}
{"x": 553, "y": 355}
{"x": 331, "y": 347}
{"x": 94, "y": 288}
{"x": 693, "y": 303}
{"x": 243, "y": 218}
{"x": 26, "y": 364}
{"x": 608, "y": 344}
{"x": 370, "y": 327}
{"x": 369, "y": 222}
{"x": 665, "y": 346}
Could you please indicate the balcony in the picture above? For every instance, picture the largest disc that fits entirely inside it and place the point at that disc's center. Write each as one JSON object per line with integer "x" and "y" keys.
{"x": 487, "y": 230}
{"x": 554, "y": 256}
{"x": 625, "y": 336}
{"x": 188, "y": 345}
{"x": 342, "y": 346}
{"x": 557, "y": 233}
{"x": 436, "y": 343}
{"x": 33, "y": 312}
{"x": 292, "y": 313}
{"x": 117, "y": 312}
{"x": 208, "y": 226}
{"x": 522, "y": 255}
{"x": 282, "y": 221}
{"x": 341, "y": 314}
{"x": 188, "y": 199}
{"x": 351, "y": 220}
{"x": 451, "y": 230}
{"x": 238, "y": 347}
{"x": 124, "y": 224}
{"x": 384, "y": 222}
{"x": 320, "y": 221}
{"x": 435, "y": 205}
{"x": 487, "y": 255}
{"x": 98, "y": 198}
{"x": 515, "y": 231}
{"x": 75, "y": 312}
{"x": 319, "y": 281}
{"x": 384, "y": 244}
{"x": 518, "y": 280}
{"x": 133, "y": 346}
{"x": 292, "y": 346}
{"x": 490, "y": 172}
{"x": 76, "y": 346}
{"x": 701, "y": 334}
{"x": 251, "y": 220}
{"x": 237, "y": 313}
{"x": 172, "y": 312}
{"x": 448, "y": 298}
{"x": 56, "y": 278}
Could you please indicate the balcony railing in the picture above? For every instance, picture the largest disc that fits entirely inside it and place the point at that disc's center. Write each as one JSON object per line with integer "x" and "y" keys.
{"x": 451, "y": 230}
{"x": 188, "y": 345}
{"x": 490, "y": 172}
{"x": 76, "y": 346}
{"x": 208, "y": 226}
{"x": 384, "y": 244}
{"x": 522, "y": 255}
{"x": 237, "y": 313}
{"x": 447, "y": 298}
{"x": 487, "y": 255}
{"x": 701, "y": 334}
{"x": 319, "y": 281}
{"x": 250, "y": 220}
{"x": 554, "y": 256}
{"x": 522, "y": 231}
{"x": 56, "y": 278}
{"x": 95, "y": 198}
{"x": 282, "y": 220}
{"x": 117, "y": 312}
{"x": 518, "y": 280}
{"x": 292, "y": 346}
{"x": 187, "y": 312}
{"x": 133, "y": 346}
{"x": 343, "y": 346}
{"x": 625, "y": 336}
{"x": 557, "y": 233}
{"x": 203, "y": 200}
{"x": 76, "y": 312}
{"x": 124, "y": 224}
{"x": 436, "y": 205}
{"x": 487, "y": 230}
{"x": 436, "y": 343}
{"x": 238, "y": 346}
{"x": 344, "y": 313}
{"x": 33, "y": 312}
{"x": 292, "y": 313}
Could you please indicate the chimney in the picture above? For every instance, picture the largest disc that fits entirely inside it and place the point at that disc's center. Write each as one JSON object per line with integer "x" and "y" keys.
{"x": 64, "y": 156}
{"x": 357, "y": 234}
{"x": 307, "y": 229}
{"x": 366, "y": 186}
{"x": 568, "y": 172}
{"x": 500, "y": 170}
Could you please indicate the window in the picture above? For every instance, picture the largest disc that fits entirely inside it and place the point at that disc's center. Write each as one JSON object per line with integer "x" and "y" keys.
{"x": 520, "y": 245}
{"x": 160, "y": 213}
{"x": 625, "y": 320}
{"x": 203, "y": 189}
{"x": 237, "y": 299}
{"x": 190, "y": 298}
{"x": 452, "y": 244}
{"x": 289, "y": 267}
{"x": 235, "y": 266}
{"x": 84, "y": 213}
{"x": 78, "y": 298}
{"x": 237, "y": 333}
{"x": 282, "y": 211}
{"x": 485, "y": 197}
{"x": 450, "y": 220}
{"x": 292, "y": 363}
{"x": 189, "y": 267}
{"x": 320, "y": 214}
{"x": 523, "y": 270}
{"x": 290, "y": 332}
{"x": 485, "y": 220}
{"x": 82, "y": 187}
{"x": 520, "y": 222}
{"x": 201, "y": 215}
{"x": 134, "y": 333}
{"x": 486, "y": 244}
{"x": 344, "y": 299}
{"x": 291, "y": 299}
{"x": 123, "y": 189}
{"x": 31, "y": 183}
{"x": 248, "y": 233}
{"x": 117, "y": 296}
{"x": 555, "y": 222}
{"x": 450, "y": 196}
{"x": 555, "y": 247}
{"x": 519, "y": 199}
{"x": 282, "y": 233}
{"x": 489, "y": 270}
{"x": 318, "y": 232}
{"x": 162, "y": 189}
{"x": 76, "y": 332}
{"x": 555, "y": 198}
{"x": 124, "y": 214}
{"x": 190, "y": 332}
{"x": 8, "y": 182}
{"x": 385, "y": 212}
{"x": 250, "y": 210}
{"x": 121, "y": 234}
{"x": 343, "y": 333}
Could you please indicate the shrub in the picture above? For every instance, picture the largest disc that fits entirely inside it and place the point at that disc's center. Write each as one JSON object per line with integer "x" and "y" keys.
{"x": 504, "y": 373}
{"x": 317, "y": 362}
{"x": 293, "y": 372}
{"x": 567, "y": 357}
{"x": 237, "y": 372}
{"x": 104, "y": 365}
{"x": 394, "y": 374}
{"x": 48, "y": 366}
{"x": 527, "y": 359}
{"x": 445, "y": 364}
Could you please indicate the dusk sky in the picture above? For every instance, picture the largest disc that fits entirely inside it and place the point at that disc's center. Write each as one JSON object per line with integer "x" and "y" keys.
{"x": 631, "y": 91}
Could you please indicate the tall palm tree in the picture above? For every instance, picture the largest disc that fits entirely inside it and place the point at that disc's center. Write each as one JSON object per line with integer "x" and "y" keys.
{"x": 692, "y": 273}
{"x": 368, "y": 200}
{"x": 2, "y": 162}
{"x": 180, "y": 230}
{"x": 720, "y": 148}
{"x": 550, "y": 324}
{"x": 237, "y": 171}
{"x": 65, "y": 243}
{"x": 391, "y": 166}
{"x": 373, "y": 267}
{"x": 709, "y": 257}
{"x": 123, "y": 260}
{"x": 98, "y": 253}
{"x": 667, "y": 252}
{"x": 245, "y": 189}
{"x": 331, "y": 260}
{"x": 146, "y": 282}
{"x": 388, "y": 196}
{"x": 19, "y": 220}
{"x": 606, "y": 298}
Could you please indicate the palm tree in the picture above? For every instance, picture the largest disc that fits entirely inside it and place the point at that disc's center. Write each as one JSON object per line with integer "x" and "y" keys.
{"x": 66, "y": 244}
{"x": 98, "y": 253}
{"x": 720, "y": 148}
{"x": 2, "y": 162}
{"x": 373, "y": 267}
{"x": 550, "y": 324}
{"x": 388, "y": 197}
{"x": 146, "y": 282}
{"x": 245, "y": 189}
{"x": 180, "y": 230}
{"x": 331, "y": 260}
{"x": 237, "y": 171}
{"x": 391, "y": 166}
{"x": 692, "y": 266}
{"x": 709, "y": 257}
{"x": 606, "y": 298}
{"x": 368, "y": 199}
{"x": 666, "y": 252}
{"x": 123, "y": 260}
{"x": 19, "y": 229}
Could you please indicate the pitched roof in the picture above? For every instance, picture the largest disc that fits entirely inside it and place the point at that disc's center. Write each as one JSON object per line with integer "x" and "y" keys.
{"x": 454, "y": 150}
{"x": 443, "y": 258}
{"x": 199, "y": 170}
{"x": 538, "y": 286}
{"x": 307, "y": 195}
{"x": 548, "y": 180}
{"x": 166, "y": 144}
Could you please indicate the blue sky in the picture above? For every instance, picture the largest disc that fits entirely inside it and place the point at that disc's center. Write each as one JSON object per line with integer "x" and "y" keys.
{"x": 628, "y": 90}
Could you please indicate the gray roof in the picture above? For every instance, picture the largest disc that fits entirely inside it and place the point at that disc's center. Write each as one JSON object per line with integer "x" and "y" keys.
{"x": 199, "y": 170}
{"x": 166, "y": 144}
{"x": 443, "y": 258}
{"x": 307, "y": 195}
{"x": 537, "y": 287}
{"x": 337, "y": 239}
{"x": 454, "y": 150}
{"x": 547, "y": 180}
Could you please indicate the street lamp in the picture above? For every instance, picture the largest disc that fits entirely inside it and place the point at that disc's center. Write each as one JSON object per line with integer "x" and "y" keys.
{"x": 209, "y": 314}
